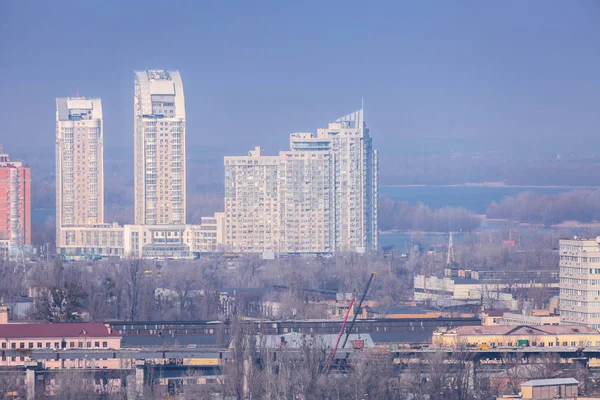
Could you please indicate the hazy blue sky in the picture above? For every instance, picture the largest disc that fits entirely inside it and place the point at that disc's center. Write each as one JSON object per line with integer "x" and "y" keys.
{"x": 499, "y": 74}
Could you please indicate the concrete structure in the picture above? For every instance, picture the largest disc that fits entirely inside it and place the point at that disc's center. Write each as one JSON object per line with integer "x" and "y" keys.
{"x": 209, "y": 236}
{"x": 159, "y": 148}
{"x": 491, "y": 317}
{"x": 448, "y": 290}
{"x": 318, "y": 197}
{"x": 79, "y": 163}
{"x": 15, "y": 204}
{"x": 580, "y": 282}
{"x": 494, "y": 274}
{"x": 513, "y": 336}
{"x": 562, "y": 388}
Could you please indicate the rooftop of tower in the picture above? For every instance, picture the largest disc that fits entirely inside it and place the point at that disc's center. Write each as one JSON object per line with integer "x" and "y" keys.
{"x": 74, "y": 108}
{"x": 158, "y": 75}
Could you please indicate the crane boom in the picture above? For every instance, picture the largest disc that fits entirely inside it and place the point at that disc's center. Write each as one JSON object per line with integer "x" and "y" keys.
{"x": 359, "y": 306}
{"x": 332, "y": 355}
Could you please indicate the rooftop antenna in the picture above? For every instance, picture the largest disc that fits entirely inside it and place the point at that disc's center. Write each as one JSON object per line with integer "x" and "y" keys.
{"x": 77, "y": 92}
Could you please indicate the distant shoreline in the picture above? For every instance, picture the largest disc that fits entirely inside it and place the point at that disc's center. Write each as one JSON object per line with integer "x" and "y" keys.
{"x": 499, "y": 185}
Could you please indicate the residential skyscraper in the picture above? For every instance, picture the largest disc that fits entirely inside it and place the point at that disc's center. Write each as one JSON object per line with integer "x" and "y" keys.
{"x": 79, "y": 162}
{"x": 15, "y": 202}
{"x": 159, "y": 148}
{"x": 355, "y": 177}
{"x": 319, "y": 197}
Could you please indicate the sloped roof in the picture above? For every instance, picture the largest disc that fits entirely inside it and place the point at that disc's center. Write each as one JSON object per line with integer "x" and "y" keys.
{"x": 294, "y": 340}
{"x": 551, "y": 382}
{"x": 524, "y": 330}
{"x": 64, "y": 330}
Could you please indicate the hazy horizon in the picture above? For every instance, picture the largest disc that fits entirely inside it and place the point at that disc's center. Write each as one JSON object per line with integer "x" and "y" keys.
{"x": 468, "y": 76}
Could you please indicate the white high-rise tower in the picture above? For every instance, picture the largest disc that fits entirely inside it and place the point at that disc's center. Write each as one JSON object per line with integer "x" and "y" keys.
{"x": 159, "y": 140}
{"x": 355, "y": 177}
{"x": 79, "y": 162}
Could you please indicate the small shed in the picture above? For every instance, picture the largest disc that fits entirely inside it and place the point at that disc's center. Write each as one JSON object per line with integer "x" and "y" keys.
{"x": 563, "y": 388}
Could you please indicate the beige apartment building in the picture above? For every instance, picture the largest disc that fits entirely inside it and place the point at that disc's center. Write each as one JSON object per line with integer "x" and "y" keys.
{"x": 252, "y": 220}
{"x": 105, "y": 240}
{"x": 318, "y": 197}
{"x": 79, "y": 162}
{"x": 159, "y": 148}
{"x": 306, "y": 198}
{"x": 580, "y": 282}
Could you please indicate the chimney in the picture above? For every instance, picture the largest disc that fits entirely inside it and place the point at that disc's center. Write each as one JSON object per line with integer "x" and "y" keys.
{"x": 3, "y": 315}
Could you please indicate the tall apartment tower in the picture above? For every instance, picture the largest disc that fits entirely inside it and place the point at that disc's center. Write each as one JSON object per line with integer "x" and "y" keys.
{"x": 318, "y": 197}
{"x": 15, "y": 202}
{"x": 355, "y": 177}
{"x": 579, "y": 300}
{"x": 79, "y": 162}
{"x": 159, "y": 153}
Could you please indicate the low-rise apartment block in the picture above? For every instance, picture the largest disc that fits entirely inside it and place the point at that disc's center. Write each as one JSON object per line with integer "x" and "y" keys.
{"x": 142, "y": 241}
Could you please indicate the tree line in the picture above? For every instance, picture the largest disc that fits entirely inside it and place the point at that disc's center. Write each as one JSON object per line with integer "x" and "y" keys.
{"x": 402, "y": 216}
{"x": 529, "y": 207}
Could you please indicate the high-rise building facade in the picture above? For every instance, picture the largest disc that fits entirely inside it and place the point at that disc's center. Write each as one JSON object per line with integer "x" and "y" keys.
{"x": 319, "y": 197}
{"x": 306, "y": 202}
{"x": 252, "y": 202}
{"x": 15, "y": 202}
{"x": 79, "y": 162}
{"x": 159, "y": 148}
{"x": 580, "y": 282}
{"x": 354, "y": 179}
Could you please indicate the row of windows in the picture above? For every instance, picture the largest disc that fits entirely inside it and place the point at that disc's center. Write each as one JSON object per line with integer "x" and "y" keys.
{"x": 575, "y": 292}
{"x": 40, "y": 345}
{"x": 544, "y": 344}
